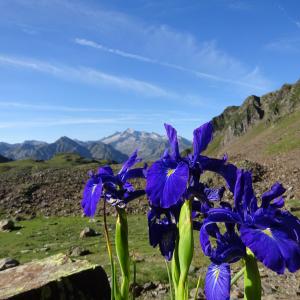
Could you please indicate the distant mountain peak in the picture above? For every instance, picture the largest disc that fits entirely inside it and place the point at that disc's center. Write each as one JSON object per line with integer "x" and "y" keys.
{"x": 151, "y": 145}
{"x": 129, "y": 130}
{"x": 64, "y": 139}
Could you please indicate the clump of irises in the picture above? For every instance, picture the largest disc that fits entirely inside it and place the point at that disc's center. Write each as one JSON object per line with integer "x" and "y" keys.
{"x": 250, "y": 229}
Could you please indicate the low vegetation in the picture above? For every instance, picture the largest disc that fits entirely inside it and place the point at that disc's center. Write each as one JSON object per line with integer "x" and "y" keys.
{"x": 42, "y": 236}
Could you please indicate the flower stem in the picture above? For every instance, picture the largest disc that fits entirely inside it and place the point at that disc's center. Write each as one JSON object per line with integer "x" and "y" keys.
{"x": 252, "y": 283}
{"x": 197, "y": 287}
{"x": 134, "y": 278}
{"x": 237, "y": 276}
{"x": 121, "y": 240}
{"x": 109, "y": 250}
{"x": 185, "y": 247}
{"x": 175, "y": 268}
{"x": 170, "y": 280}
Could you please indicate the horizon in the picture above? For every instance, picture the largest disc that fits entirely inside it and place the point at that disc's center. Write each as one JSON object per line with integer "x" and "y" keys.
{"x": 98, "y": 139}
{"x": 137, "y": 64}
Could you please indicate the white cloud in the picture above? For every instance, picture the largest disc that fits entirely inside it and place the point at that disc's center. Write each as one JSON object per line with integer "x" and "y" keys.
{"x": 84, "y": 42}
{"x": 156, "y": 44}
{"x": 88, "y": 75}
{"x": 46, "y": 107}
{"x": 289, "y": 17}
{"x": 285, "y": 45}
{"x": 211, "y": 53}
{"x": 68, "y": 121}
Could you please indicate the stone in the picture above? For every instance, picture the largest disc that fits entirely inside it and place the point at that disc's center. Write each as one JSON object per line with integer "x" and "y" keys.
{"x": 25, "y": 251}
{"x": 149, "y": 286}
{"x": 87, "y": 232}
{"x": 136, "y": 289}
{"x": 7, "y": 225}
{"x": 200, "y": 295}
{"x": 7, "y": 263}
{"x": 78, "y": 251}
{"x": 55, "y": 277}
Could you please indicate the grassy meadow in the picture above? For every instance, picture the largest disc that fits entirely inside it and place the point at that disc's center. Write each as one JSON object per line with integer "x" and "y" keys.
{"x": 43, "y": 236}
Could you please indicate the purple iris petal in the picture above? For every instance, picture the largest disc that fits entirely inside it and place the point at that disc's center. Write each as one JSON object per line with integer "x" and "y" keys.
{"x": 202, "y": 137}
{"x": 166, "y": 183}
{"x": 264, "y": 245}
{"x": 214, "y": 194}
{"x": 162, "y": 232}
{"x": 290, "y": 223}
{"x": 153, "y": 227}
{"x": 168, "y": 239}
{"x": 277, "y": 203}
{"x": 106, "y": 170}
{"x": 217, "y": 282}
{"x": 276, "y": 190}
{"x": 135, "y": 173}
{"x": 129, "y": 196}
{"x": 131, "y": 161}
{"x": 175, "y": 185}
{"x": 243, "y": 192}
{"x": 172, "y": 135}
{"x": 223, "y": 215}
{"x": 290, "y": 250}
{"x": 229, "y": 247}
{"x": 227, "y": 171}
{"x": 91, "y": 196}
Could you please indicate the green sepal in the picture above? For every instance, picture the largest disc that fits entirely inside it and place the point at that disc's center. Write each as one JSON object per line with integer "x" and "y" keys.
{"x": 121, "y": 241}
{"x": 185, "y": 247}
{"x": 252, "y": 283}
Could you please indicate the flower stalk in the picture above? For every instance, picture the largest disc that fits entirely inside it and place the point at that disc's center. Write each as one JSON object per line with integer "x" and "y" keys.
{"x": 121, "y": 241}
{"x": 252, "y": 282}
{"x": 185, "y": 248}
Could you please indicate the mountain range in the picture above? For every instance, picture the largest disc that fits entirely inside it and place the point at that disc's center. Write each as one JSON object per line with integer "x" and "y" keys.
{"x": 259, "y": 129}
{"x": 116, "y": 147}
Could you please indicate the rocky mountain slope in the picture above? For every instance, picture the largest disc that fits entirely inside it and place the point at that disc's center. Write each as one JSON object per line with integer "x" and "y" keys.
{"x": 151, "y": 145}
{"x": 262, "y": 128}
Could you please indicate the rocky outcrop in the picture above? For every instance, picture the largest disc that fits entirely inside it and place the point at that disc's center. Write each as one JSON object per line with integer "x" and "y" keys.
{"x": 55, "y": 277}
{"x": 237, "y": 120}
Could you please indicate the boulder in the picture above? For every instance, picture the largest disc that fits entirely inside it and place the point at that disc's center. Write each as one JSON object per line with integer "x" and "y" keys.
{"x": 78, "y": 251}
{"x": 55, "y": 277}
{"x": 6, "y": 263}
{"x": 87, "y": 231}
{"x": 7, "y": 225}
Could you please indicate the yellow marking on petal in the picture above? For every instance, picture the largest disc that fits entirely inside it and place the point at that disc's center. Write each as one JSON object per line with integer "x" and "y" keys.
{"x": 217, "y": 273}
{"x": 268, "y": 232}
{"x": 170, "y": 172}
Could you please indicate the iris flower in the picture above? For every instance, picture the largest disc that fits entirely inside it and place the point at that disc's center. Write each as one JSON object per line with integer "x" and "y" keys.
{"x": 168, "y": 178}
{"x": 170, "y": 181}
{"x": 163, "y": 231}
{"x": 229, "y": 249}
{"x": 116, "y": 189}
{"x": 272, "y": 234}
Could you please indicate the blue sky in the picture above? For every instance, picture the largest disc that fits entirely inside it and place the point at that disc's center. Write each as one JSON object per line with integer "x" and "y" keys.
{"x": 86, "y": 69}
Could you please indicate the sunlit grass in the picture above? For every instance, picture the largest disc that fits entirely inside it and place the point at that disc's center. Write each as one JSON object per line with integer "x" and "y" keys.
{"x": 41, "y": 237}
